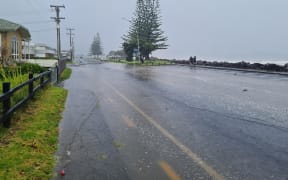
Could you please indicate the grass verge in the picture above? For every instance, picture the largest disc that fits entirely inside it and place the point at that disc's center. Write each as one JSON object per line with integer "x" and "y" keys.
{"x": 146, "y": 62}
{"x": 66, "y": 74}
{"x": 27, "y": 149}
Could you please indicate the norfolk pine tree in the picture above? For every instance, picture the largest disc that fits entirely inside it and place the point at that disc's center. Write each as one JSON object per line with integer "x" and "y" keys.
{"x": 96, "y": 46}
{"x": 146, "y": 23}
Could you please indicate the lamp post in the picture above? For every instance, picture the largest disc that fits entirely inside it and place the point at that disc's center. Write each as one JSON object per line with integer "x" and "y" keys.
{"x": 137, "y": 36}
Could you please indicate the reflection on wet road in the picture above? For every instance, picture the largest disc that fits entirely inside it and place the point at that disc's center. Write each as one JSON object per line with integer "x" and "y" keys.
{"x": 125, "y": 122}
{"x": 166, "y": 134}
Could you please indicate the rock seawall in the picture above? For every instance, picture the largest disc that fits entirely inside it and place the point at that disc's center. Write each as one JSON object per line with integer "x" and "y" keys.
{"x": 240, "y": 65}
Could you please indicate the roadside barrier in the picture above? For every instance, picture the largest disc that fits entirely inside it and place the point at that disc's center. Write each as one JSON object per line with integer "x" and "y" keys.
{"x": 41, "y": 80}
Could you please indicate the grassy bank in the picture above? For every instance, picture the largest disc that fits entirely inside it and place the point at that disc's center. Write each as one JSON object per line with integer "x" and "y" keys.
{"x": 146, "y": 62}
{"x": 27, "y": 148}
{"x": 66, "y": 74}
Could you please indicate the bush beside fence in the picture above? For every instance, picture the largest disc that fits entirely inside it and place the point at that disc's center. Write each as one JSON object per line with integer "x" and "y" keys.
{"x": 8, "y": 107}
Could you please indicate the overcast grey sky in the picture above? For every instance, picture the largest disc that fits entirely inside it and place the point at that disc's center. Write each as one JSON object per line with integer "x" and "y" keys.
{"x": 209, "y": 29}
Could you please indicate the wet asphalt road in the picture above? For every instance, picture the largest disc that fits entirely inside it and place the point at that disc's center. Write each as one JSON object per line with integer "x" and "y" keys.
{"x": 123, "y": 122}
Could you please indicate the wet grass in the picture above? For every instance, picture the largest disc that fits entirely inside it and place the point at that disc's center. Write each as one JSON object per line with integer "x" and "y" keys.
{"x": 98, "y": 105}
{"x": 66, "y": 74}
{"x": 27, "y": 149}
{"x": 146, "y": 62}
{"x": 118, "y": 145}
{"x": 102, "y": 157}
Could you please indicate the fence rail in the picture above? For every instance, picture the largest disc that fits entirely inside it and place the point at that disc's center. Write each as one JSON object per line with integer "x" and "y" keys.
{"x": 8, "y": 93}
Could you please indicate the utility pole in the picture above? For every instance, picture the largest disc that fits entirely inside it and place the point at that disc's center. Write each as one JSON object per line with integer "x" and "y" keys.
{"x": 73, "y": 50}
{"x": 57, "y": 20}
{"x": 71, "y": 41}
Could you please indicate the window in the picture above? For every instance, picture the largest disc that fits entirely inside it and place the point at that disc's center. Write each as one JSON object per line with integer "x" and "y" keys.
{"x": 14, "y": 53}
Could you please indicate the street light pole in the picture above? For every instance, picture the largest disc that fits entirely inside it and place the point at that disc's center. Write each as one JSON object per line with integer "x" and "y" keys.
{"x": 138, "y": 45}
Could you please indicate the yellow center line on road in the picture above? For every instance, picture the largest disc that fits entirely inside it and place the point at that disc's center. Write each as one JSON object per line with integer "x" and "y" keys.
{"x": 128, "y": 121}
{"x": 173, "y": 139}
{"x": 168, "y": 170}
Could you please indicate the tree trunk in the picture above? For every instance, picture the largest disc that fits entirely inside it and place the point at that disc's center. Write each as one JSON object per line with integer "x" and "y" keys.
{"x": 141, "y": 59}
{"x": 147, "y": 57}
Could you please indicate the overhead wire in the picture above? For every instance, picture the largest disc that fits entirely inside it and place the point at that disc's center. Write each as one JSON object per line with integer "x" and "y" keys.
{"x": 43, "y": 30}
{"x": 38, "y": 22}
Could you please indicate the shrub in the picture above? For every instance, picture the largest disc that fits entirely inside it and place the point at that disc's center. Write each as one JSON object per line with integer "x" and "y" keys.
{"x": 29, "y": 67}
{"x": 17, "y": 75}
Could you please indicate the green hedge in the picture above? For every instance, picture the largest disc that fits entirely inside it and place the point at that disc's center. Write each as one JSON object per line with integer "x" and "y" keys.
{"x": 29, "y": 67}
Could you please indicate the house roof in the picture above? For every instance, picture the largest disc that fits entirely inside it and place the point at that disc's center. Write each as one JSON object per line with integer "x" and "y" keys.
{"x": 8, "y": 26}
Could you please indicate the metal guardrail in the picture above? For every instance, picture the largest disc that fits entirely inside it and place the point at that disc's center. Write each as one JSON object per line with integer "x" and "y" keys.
{"x": 8, "y": 93}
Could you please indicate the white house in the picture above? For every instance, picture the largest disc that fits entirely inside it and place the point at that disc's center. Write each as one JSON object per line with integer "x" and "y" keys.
{"x": 37, "y": 50}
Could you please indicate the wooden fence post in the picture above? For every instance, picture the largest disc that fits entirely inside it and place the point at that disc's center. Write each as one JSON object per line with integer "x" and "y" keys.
{"x": 6, "y": 105}
{"x": 42, "y": 81}
{"x": 30, "y": 84}
{"x": 50, "y": 76}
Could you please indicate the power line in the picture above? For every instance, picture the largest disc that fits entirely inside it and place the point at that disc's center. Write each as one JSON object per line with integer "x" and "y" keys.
{"x": 37, "y": 22}
{"x": 43, "y": 30}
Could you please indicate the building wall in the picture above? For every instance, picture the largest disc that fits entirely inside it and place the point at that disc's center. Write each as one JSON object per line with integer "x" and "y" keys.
{"x": 0, "y": 45}
{"x": 27, "y": 50}
{"x": 43, "y": 51}
{"x": 3, "y": 45}
{"x": 7, "y": 44}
